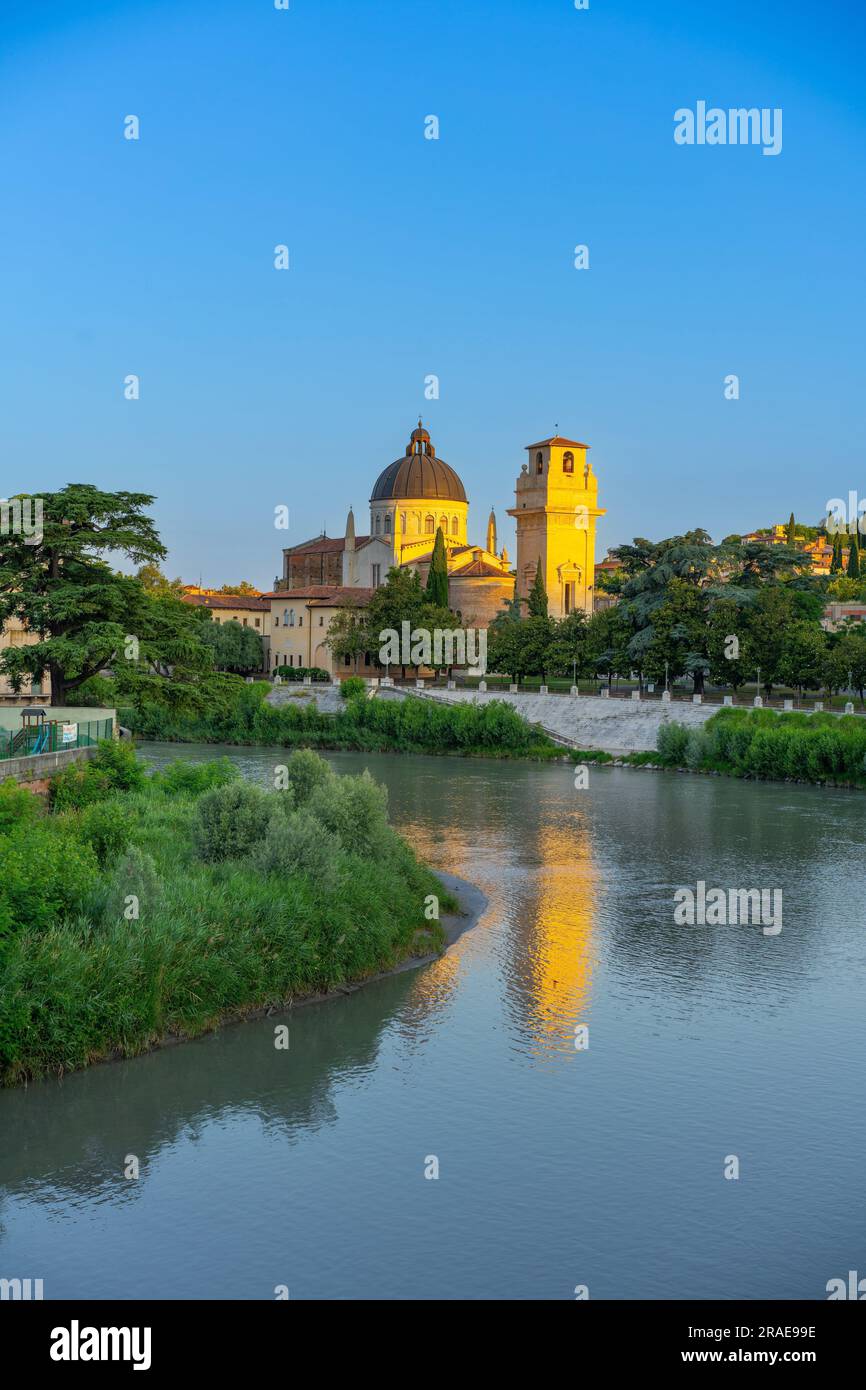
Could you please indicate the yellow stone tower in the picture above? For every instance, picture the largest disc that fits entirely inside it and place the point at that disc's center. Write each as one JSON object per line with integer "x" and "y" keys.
{"x": 555, "y": 508}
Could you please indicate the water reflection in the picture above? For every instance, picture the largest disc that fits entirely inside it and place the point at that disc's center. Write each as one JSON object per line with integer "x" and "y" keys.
{"x": 69, "y": 1138}
{"x": 704, "y": 1041}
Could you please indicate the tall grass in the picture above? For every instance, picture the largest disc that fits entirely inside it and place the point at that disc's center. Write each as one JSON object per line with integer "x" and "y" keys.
{"x": 493, "y": 729}
{"x": 818, "y": 747}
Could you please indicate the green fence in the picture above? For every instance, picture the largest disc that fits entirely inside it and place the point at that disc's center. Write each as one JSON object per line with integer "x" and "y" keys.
{"x": 53, "y": 736}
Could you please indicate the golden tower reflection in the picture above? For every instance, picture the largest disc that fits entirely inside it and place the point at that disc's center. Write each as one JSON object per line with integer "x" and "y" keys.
{"x": 540, "y": 922}
{"x": 558, "y": 942}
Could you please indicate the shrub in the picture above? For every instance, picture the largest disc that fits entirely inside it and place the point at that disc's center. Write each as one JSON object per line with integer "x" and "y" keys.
{"x": 117, "y": 758}
{"x": 696, "y": 749}
{"x": 182, "y": 777}
{"x": 47, "y": 871}
{"x": 671, "y": 742}
{"x": 352, "y": 687}
{"x": 105, "y": 826}
{"x": 297, "y": 673}
{"x": 135, "y": 876}
{"x": 230, "y": 821}
{"x": 18, "y": 806}
{"x": 75, "y": 787}
{"x": 307, "y": 771}
{"x": 355, "y": 810}
{"x": 298, "y": 844}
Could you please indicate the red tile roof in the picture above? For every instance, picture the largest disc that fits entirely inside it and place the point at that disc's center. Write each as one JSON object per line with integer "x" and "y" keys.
{"x": 556, "y": 441}
{"x": 321, "y": 594}
{"x": 326, "y": 544}
{"x": 254, "y": 605}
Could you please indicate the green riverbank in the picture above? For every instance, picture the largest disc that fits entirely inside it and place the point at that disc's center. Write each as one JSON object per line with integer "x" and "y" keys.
{"x": 410, "y": 725}
{"x": 822, "y": 748}
{"x": 140, "y": 909}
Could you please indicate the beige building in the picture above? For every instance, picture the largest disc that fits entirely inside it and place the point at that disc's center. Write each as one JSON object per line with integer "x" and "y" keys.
{"x": 838, "y": 615}
{"x": 298, "y": 627}
{"x": 15, "y": 634}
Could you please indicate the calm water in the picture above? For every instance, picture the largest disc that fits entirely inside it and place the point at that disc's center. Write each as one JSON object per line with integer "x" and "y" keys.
{"x": 557, "y": 1167}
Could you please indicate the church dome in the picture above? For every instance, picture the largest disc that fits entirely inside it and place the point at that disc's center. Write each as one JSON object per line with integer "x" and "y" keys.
{"x": 419, "y": 473}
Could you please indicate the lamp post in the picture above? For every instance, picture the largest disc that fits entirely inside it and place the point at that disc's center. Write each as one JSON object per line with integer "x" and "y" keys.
{"x": 666, "y": 675}
{"x": 759, "y": 681}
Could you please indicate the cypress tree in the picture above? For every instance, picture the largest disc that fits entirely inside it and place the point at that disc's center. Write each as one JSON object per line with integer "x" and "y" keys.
{"x": 437, "y": 575}
{"x": 537, "y": 601}
{"x": 792, "y": 530}
{"x": 853, "y": 560}
{"x": 836, "y": 562}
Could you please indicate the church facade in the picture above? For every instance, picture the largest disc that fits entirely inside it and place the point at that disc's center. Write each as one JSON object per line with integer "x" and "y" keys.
{"x": 415, "y": 496}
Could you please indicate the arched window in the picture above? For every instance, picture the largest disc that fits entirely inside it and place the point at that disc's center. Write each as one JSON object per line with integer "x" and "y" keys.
{"x": 454, "y": 526}
{"x": 416, "y": 523}
{"x": 539, "y": 462}
{"x": 568, "y": 462}
{"x": 388, "y": 524}
{"x": 291, "y": 617}
{"x": 378, "y": 524}
{"x": 429, "y": 525}
{"x": 285, "y": 617}
{"x": 443, "y": 523}
{"x": 403, "y": 522}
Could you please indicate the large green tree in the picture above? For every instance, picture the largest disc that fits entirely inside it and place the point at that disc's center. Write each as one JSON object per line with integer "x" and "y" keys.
{"x": 151, "y": 577}
{"x": 65, "y": 590}
{"x": 233, "y": 646}
{"x": 803, "y": 657}
{"x": 846, "y": 657}
{"x": 349, "y": 634}
{"x": 86, "y": 616}
{"x": 569, "y": 649}
{"x": 607, "y": 641}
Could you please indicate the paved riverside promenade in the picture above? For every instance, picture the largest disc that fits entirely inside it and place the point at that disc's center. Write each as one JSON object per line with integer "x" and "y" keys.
{"x": 585, "y": 721}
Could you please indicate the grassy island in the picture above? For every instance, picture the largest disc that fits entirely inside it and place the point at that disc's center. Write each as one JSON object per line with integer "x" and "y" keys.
{"x": 138, "y": 908}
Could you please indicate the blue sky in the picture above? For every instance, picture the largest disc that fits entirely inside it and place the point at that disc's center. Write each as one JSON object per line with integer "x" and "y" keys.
{"x": 412, "y": 256}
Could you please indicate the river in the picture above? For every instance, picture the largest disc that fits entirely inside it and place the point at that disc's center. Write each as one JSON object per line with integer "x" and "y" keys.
{"x": 558, "y": 1166}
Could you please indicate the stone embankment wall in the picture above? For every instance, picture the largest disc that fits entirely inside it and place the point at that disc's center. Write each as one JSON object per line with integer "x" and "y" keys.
{"x": 34, "y": 771}
{"x": 327, "y": 697}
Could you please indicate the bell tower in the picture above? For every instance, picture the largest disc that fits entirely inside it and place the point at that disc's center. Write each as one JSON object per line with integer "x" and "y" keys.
{"x": 555, "y": 509}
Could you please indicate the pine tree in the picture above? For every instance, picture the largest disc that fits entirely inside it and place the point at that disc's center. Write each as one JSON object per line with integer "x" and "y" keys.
{"x": 853, "y": 560}
{"x": 437, "y": 575}
{"x": 537, "y": 602}
{"x": 792, "y": 530}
